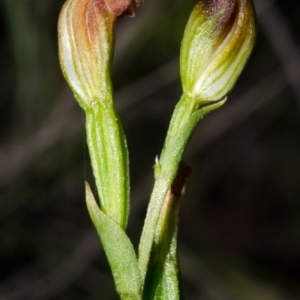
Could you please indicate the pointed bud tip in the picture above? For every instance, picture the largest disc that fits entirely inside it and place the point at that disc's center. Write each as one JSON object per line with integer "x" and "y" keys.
{"x": 121, "y": 8}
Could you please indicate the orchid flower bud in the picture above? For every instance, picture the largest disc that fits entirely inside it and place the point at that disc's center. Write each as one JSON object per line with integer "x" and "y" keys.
{"x": 86, "y": 40}
{"x": 217, "y": 43}
{"x": 85, "y": 45}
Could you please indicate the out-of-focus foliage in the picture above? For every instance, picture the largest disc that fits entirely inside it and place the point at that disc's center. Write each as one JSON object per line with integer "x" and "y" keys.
{"x": 240, "y": 218}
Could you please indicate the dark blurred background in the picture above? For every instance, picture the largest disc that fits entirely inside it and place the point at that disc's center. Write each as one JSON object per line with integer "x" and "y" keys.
{"x": 240, "y": 218}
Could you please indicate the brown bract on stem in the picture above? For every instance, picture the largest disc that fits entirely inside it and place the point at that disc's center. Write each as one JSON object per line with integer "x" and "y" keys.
{"x": 178, "y": 185}
{"x": 177, "y": 189}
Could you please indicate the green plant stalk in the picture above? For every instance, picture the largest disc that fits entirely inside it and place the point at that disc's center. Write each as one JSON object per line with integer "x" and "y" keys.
{"x": 109, "y": 159}
{"x": 183, "y": 123}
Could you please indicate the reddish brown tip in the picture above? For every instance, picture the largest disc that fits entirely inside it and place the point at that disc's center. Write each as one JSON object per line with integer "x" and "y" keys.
{"x": 121, "y": 8}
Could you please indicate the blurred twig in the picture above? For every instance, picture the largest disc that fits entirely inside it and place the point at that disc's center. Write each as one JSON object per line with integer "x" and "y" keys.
{"x": 57, "y": 280}
{"x": 283, "y": 42}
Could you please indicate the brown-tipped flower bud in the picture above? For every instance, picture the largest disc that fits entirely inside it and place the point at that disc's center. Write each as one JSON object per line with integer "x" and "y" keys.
{"x": 217, "y": 43}
{"x": 85, "y": 48}
{"x": 86, "y": 40}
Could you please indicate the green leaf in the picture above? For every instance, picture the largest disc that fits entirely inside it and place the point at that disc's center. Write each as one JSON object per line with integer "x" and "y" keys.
{"x": 119, "y": 251}
{"x": 165, "y": 281}
{"x": 163, "y": 275}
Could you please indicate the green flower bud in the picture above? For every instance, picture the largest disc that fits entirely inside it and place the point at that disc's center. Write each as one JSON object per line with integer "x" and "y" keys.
{"x": 216, "y": 45}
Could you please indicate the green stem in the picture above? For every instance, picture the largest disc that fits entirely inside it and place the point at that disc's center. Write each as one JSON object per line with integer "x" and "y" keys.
{"x": 109, "y": 159}
{"x": 183, "y": 123}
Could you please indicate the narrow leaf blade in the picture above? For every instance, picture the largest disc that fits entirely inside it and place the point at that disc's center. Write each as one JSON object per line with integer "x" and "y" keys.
{"x": 119, "y": 251}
